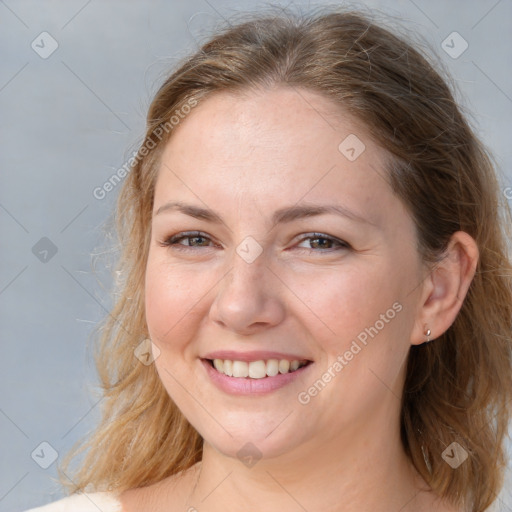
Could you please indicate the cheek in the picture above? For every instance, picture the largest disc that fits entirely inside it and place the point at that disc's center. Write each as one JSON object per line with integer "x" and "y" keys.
{"x": 363, "y": 332}
{"x": 172, "y": 302}
{"x": 338, "y": 305}
{"x": 362, "y": 325}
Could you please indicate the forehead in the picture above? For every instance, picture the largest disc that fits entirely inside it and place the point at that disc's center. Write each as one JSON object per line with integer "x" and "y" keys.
{"x": 277, "y": 119}
{"x": 268, "y": 147}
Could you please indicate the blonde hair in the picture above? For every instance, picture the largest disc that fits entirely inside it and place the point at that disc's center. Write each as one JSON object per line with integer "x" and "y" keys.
{"x": 457, "y": 388}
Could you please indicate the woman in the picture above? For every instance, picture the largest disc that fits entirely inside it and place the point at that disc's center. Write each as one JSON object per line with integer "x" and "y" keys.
{"x": 315, "y": 302}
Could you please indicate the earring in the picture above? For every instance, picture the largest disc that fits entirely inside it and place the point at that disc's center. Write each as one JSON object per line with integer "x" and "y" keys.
{"x": 427, "y": 334}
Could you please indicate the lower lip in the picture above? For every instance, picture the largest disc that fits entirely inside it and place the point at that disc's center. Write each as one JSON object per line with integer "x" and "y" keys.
{"x": 249, "y": 386}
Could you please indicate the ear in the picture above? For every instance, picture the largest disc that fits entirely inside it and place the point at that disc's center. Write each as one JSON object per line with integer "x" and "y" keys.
{"x": 445, "y": 288}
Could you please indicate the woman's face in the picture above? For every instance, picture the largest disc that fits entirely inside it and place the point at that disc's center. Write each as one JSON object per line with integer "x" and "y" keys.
{"x": 263, "y": 280}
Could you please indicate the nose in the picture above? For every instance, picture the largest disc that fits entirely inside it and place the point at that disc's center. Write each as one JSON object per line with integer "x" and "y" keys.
{"x": 248, "y": 298}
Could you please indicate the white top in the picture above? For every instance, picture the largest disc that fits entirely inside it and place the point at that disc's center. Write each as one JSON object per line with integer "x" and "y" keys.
{"x": 87, "y": 502}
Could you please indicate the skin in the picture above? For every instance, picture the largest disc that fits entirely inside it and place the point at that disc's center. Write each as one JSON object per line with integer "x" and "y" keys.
{"x": 245, "y": 157}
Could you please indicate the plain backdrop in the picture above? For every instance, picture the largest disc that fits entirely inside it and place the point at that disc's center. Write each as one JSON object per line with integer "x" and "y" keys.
{"x": 76, "y": 78}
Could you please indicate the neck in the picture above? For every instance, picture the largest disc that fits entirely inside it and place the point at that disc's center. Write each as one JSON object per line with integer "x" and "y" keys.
{"x": 367, "y": 470}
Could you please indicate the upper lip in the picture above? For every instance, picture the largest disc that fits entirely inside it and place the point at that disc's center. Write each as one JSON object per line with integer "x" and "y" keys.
{"x": 256, "y": 355}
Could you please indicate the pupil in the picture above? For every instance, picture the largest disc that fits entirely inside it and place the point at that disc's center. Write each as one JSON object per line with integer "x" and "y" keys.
{"x": 325, "y": 241}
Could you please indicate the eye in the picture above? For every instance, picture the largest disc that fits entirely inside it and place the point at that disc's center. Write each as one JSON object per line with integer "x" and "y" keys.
{"x": 197, "y": 239}
{"x": 325, "y": 242}
{"x": 194, "y": 239}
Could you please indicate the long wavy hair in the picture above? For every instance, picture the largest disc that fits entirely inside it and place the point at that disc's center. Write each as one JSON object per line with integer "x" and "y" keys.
{"x": 457, "y": 388}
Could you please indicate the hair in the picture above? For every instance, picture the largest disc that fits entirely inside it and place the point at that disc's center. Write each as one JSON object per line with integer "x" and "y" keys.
{"x": 457, "y": 388}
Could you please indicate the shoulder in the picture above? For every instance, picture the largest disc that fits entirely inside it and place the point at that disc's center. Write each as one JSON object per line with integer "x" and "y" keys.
{"x": 88, "y": 502}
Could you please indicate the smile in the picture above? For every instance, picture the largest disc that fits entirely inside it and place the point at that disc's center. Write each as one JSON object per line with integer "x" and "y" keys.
{"x": 254, "y": 377}
{"x": 256, "y": 369}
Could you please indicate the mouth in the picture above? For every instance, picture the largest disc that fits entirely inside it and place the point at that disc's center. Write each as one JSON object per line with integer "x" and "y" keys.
{"x": 260, "y": 369}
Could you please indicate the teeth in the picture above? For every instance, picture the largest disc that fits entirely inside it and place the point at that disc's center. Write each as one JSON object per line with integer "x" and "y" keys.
{"x": 256, "y": 369}
{"x": 228, "y": 367}
{"x": 284, "y": 366}
{"x": 240, "y": 369}
{"x": 294, "y": 365}
{"x": 272, "y": 367}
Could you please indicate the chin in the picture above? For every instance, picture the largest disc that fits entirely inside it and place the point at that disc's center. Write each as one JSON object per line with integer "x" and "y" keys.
{"x": 251, "y": 443}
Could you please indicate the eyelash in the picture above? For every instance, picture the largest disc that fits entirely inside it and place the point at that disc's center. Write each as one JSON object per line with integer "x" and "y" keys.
{"x": 172, "y": 241}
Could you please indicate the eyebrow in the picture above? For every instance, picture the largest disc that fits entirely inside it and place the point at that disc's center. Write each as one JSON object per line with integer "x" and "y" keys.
{"x": 281, "y": 216}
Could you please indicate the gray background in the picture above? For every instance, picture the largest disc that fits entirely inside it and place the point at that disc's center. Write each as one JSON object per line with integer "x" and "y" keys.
{"x": 68, "y": 122}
